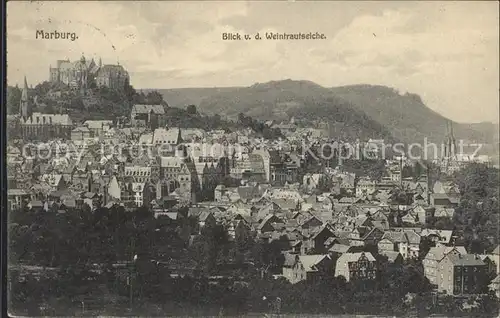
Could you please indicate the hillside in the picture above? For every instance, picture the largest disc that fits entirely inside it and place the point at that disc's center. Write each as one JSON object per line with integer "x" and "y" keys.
{"x": 407, "y": 116}
{"x": 304, "y": 100}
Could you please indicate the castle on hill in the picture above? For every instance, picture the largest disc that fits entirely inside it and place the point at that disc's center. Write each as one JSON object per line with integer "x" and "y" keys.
{"x": 84, "y": 73}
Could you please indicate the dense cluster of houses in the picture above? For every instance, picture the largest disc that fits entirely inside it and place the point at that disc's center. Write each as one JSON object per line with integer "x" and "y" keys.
{"x": 329, "y": 223}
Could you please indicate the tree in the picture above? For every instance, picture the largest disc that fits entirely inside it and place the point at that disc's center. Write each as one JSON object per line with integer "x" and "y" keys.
{"x": 13, "y": 99}
{"x": 155, "y": 98}
{"x": 191, "y": 110}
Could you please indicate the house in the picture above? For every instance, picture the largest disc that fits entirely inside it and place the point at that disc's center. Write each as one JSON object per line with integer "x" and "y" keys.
{"x": 55, "y": 181}
{"x": 306, "y": 267}
{"x": 393, "y": 258}
{"x": 266, "y": 225}
{"x": 364, "y": 187}
{"x": 356, "y": 266}
{"x": 220, "y": 193}
{"x": 434, "y": 257}
{"x": 445, "y": 200}
{"x": 16, "y": 198}
{"x": 169, "y": 137}
{"x": 80, "y": 133}
{"x": 443, "y": 237}
{"x": 372, "y": 237}
{"x": 461, "y": 274}
{"x": 152, "y": 116}
{"x": 239, "y": 228}
{"x": 405, "y": 242}
{"x": 495, "y": 286}
{"x": 310, "y": 222}
{"x": 444, "y": 212}
{"x": 98, "y": 127}
{"x": 316, "y": 240}
{"x": 206, "y": 219}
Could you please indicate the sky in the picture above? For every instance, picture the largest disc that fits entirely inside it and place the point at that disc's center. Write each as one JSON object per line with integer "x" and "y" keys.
{"x": 447, "y": 52}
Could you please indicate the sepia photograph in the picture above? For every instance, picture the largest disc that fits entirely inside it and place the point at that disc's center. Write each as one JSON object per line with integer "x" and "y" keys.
{"x": 252, "y": 158}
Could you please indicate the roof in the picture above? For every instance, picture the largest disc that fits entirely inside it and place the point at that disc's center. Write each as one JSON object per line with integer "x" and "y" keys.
{"x": 354, "y": 257}
{"x": 410, "y": 237}
{"x": 204, "y": 215}
{"x": 81, "y": 129}
{"x": 16, "y": 192}
{"x": 452, "y": 197}
{"x": 496, "y": 251}
{"x": 496, "y": 280}
{"x": 97, "y": 124}
{"x": 268, "y": 218}
{"x": 108, "y": 69}
{"x": 171, "y": 162}
{"x": 465, "y": 260}
{"x": 339, "y": 248}
{"x": 311, "y": 261}
{"x": 144, "y": 109}
{"x": 444, "y": 235}
{"x": 439, "y": 252}
{"x": 48, "y": 119}
{"x": 391, "y": 255}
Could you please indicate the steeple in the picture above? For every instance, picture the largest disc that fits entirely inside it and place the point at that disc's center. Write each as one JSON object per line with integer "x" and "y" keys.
{"x": 24, "y": 95}
{"x": 24, "y": 105}
{"x": 449, "y": 142}
{"x": 179, "y": 136}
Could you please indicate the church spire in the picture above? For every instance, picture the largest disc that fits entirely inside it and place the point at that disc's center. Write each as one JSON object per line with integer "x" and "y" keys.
{"x": 24, "y": 95}
{"x": 179, "y": 136}
{"x": 450, "y": 142}
{"x": 24, "y": 107}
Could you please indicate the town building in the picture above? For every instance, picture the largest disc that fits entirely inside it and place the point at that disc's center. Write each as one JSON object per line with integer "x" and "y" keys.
{"x": 356, "y": 266}
{"x": 434, "y": 257}
{"x": 150, "y": 116}
{"x": 461, "y": 274}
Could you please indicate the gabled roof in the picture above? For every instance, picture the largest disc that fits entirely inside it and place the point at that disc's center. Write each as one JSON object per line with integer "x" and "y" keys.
{"x": 354, "y": 257}
{"x": 267, "y": 219}
{"x": 81, "y": 129}
{"x": 204, "y": 215}
{"x": 444, "y": 235}
{"x": 391, "y": 255}
{"x": 339, "y": 248}
{"x": 439, "y": 252}
{"x": 496, "y": 251}
{"x": 311, "y": 261}
{"x": 465, "y": 260}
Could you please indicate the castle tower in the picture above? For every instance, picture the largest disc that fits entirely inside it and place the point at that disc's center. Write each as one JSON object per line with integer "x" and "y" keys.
{"x": 25, "y": 110}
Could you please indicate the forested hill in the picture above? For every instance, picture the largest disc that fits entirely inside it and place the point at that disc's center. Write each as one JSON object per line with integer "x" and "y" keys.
{"x": 281, "y": 100}
{"x": 407, "y": 116}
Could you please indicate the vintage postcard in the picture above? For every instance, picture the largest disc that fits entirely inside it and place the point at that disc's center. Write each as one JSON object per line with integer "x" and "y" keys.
{"x": 253, "y": 159}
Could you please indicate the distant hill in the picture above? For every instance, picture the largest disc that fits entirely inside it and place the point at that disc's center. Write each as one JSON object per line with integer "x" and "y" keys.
{"x": 304, "y": 100}
{"x": 404, "y": 115}
{"x": 407, "y": 116}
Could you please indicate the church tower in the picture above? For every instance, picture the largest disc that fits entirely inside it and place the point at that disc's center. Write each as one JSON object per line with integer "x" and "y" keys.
{"x": 25, "y": 110}
{"x": 450, "y": 145}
